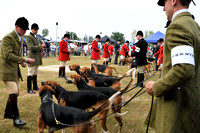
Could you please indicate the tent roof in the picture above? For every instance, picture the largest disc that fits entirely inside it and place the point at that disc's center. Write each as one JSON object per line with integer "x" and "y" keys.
{"x": 103, "y": 39}
{"x": 155, "y": 37}
{"x": 41, "y": 37}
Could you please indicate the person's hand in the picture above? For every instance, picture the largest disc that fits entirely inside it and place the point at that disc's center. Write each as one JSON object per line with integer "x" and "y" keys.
{"x": 43, "y": 45}
{"x": 23, "y": 64}
{"x": 149, "y": 87}
{"x": 29, "y": 60}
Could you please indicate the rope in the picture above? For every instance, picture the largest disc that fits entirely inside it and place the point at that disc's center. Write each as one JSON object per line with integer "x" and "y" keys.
{"x": 150, "y": 114}
{"x": 141, "y": 82}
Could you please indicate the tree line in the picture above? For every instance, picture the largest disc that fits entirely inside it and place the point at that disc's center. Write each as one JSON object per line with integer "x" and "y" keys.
{"x": 115, "y": 35}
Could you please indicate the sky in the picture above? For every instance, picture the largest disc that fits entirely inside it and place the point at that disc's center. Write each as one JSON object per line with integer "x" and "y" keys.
{"x": 87, "y": 17}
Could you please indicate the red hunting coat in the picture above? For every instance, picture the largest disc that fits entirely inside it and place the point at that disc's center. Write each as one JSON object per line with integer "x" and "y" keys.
{"x": 123, "y": 49}
{"x": 64, "y": 53}
{"x": 133, "y": 49}
{"x": 95, "y": 51}
{"x": 105, "y": 51}
{"x": 111, "y": 49}
{"x": 160, "y": 55}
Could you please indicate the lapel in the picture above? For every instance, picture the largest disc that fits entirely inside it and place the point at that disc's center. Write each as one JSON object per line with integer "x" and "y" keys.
{"x": 33, "y": 36}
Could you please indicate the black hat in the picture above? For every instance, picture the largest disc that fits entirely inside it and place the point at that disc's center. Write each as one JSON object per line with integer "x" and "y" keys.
{"x": 22, "y": 23}
{"x": 127, "y": 41}
{"x": 98, "y": 36}
{"x": 34, "y": 26}
{"x": 161, "y": 40}
{"x": 139, "y": 33}
{"x": 119, "y": 40}
{"x": 67, "y": 35}
{"x": 107, "y": 40}
{"x": 161, "y": 2}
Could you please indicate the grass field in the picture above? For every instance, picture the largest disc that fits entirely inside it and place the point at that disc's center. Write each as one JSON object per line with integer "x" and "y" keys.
{"x": 29, "y": 104}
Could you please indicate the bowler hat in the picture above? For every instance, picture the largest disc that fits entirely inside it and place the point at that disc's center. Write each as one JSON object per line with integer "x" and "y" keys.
{"x": 98, "y": 36}
{"x": 107, "y": 40}
{"x": 161, "y": 40}
{"x": 67, "y": 35}
{"x": 139, "y": 33}
{"x": 34, "y": 26}
{"x": 161, "y": 2}
{"x": 22, "y": 22}
{"x": 127, "y": 41}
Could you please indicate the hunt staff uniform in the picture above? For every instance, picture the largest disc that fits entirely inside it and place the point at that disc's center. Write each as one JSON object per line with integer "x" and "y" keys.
{"x": 141, "y": 59}
{"x": 63, "y": 56}
{"x": 105, "y": 54}
{"x": 95, "y": 52}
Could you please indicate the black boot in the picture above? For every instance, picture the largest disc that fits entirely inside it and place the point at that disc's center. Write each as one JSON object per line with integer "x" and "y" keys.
{"x": 140, "y": 79}
{"x": 120, "y": 63}
{"x": 107, "y": 63}
{"x": 35, "y": 86}
{"x": 7, "y": 114}
{"x": 14, "y": 111}
{"x": 63, "y": 72}
{"x": 29, "y": 85}
{"x": 104, "y": 63}
{"x": 60, "y": 71}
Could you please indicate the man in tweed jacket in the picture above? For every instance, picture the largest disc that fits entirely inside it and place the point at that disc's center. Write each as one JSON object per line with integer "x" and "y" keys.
{"x": 176, "y": 108}
{"x": 34, "y": 48}
{"x": 10, "y": 58}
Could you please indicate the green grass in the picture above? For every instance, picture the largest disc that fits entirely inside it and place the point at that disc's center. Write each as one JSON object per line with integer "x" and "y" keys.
{"x": 29, "y": 104}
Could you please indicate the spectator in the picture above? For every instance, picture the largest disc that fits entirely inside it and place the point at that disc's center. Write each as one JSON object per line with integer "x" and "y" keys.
{"x": 117, "y": 46}
{"x": 53, "y": 49}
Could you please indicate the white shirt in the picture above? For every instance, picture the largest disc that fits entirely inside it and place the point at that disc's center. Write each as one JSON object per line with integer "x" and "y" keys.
{"x": 18, "y": 36}
{"x": 178, "y": 12}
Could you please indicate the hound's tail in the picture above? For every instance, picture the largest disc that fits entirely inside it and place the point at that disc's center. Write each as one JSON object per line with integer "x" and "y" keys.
{"x": 128, "y": 73}
{"x": 130, "y": 83}
{"x": 115, "y": 70}
{"x": 107, "y": 104}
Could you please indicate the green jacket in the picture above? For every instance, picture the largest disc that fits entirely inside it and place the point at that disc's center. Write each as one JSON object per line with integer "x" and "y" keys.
{"x": 177, "y": 104}
{"x": 10, "y": 57}
{"x": 34, "y": 48}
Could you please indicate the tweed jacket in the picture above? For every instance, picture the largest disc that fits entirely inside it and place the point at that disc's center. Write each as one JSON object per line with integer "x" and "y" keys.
{"x": 10, "y": 57}
{"x": 177, "y": 104}
{"x": 34, "y": 48}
